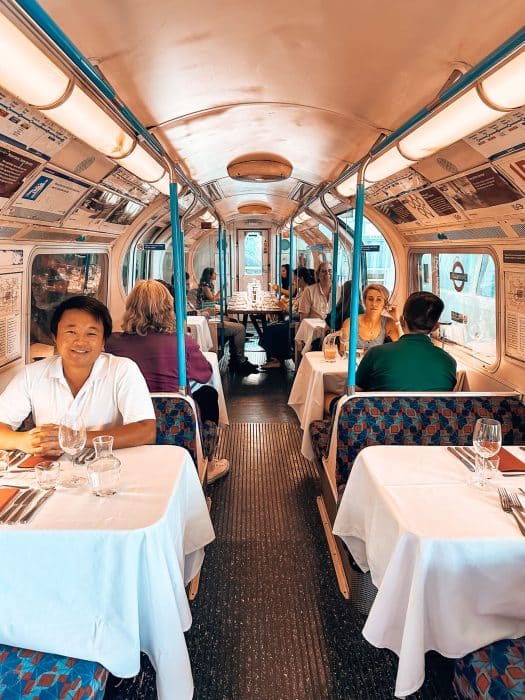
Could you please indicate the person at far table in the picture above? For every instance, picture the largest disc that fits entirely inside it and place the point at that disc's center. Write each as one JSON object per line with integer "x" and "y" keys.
{"x": 108, "y": 392}
{"x": 413, "y": 363}
{"x": 316, "y": 301}
{"x": 285, "y": 282}
{"x": 149, "y": 339}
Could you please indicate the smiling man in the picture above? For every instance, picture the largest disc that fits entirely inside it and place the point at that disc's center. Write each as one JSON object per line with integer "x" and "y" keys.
{"x": 108, "y": 392}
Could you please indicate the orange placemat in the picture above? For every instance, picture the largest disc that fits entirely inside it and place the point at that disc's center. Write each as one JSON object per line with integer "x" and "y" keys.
{"x": 509, "y": 464}
{"x": 6, "y": 494}
{"x": 30, "y": 461}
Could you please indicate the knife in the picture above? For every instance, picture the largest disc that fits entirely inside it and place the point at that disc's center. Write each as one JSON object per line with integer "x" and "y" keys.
{"x": 462, "y": 459}
{"x": 19, "y": 503}
{"x": 30, "y": 513}
{"x": 468, "y": 455}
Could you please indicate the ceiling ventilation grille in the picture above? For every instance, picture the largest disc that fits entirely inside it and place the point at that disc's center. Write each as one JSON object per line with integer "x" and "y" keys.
{"x": 461, "y": 234}
{"x": 214, "y": 191}
{"x": 519, "y": 228}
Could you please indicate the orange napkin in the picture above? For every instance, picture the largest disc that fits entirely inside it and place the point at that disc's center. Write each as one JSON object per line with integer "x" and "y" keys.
{"x": 508, "y": 463}
{"x": 30, "y": 461}
{"x": 6, "y": 494}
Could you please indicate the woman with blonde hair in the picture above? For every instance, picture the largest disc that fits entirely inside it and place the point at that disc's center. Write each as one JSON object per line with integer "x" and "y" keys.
{"x": 149, "y": 339}
{"x": 373, "y": 326}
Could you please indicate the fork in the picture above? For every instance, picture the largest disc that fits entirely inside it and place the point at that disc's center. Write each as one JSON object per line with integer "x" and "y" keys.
{"x": 515, "y": 502}
{"x": 506, "y": 504}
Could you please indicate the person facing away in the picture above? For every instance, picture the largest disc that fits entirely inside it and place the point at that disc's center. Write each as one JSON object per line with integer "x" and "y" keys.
{"x": 413, "y": 363}
{"x": 108, "y": 392}
{"x": 234, "y": 331}
{"x": 373, "y": 326}
{"x": 316, "y": 301}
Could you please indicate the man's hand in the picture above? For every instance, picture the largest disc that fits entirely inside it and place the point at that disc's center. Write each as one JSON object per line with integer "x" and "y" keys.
{"x": 41, "y": 441}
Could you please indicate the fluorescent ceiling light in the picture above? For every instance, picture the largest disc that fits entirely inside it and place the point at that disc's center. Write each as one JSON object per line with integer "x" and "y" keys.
{"x": 348, "y": 187}
{"x": 141, "y": 164}
{"x": 80, "y": 115}
{"x": 457, "y": 120}
{"x": 506, "y": 87}
{"x": 302, "y": 217}
{"x": 387, "y": 164}
{"x": 26, "y": 71}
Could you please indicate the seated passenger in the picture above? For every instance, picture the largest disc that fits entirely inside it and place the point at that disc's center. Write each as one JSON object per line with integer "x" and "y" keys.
{"x": 342, "y": 308}
{"x": 275, "y": 336}
{"x": 316, "y": 301}
{"x": 149, "y": 339}
{"x": 414, "y": 363}
{"x": 234, "y": 331}
{"x": 108, "y": 392}
{"x": 373, "y": 326}
{"x": 285, "y": 282}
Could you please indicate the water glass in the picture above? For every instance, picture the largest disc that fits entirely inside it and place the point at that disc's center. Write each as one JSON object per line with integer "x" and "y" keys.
{"x": 4, "y": 460}
{"x": 486, "y": 443}
{"x": 72, "y": 438}
{"x": 103, "y": 475}
{"x": 492, "y": 466}
{"x": 103, "y": 445}
{"x": 47, "y": 474}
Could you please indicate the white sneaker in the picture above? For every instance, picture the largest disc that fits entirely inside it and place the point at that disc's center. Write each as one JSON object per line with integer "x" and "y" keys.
{"x": 217, "y": 468}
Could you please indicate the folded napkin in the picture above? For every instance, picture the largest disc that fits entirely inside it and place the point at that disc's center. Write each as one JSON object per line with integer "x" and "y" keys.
{"x": 30, "y": 461}
{"x": 509, "y": 464}
{"x": 7, "y": 493}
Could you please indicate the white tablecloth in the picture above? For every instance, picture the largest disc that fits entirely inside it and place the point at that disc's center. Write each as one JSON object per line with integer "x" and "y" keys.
{"x": 216, "y": 382}
{"x": 309, "y": 330}
{"x": 314, "y": 377}
{"x": 103, "y": 578}
{"x": 198, "y": 327}
{"x": 448, "y": 562}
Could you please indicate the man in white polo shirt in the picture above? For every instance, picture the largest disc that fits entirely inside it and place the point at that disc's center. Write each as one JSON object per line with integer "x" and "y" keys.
{"x": 109, "y": 392}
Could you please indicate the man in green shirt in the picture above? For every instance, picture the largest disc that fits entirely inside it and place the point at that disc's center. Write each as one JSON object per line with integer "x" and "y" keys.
{"x": 413, "y": 363}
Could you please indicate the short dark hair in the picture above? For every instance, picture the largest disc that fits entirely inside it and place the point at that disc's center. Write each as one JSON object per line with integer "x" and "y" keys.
{"x": 422, "y": 311}
{"x": 90, "y": 305}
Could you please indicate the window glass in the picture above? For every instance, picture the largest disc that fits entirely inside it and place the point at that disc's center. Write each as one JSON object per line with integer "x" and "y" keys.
{"x": 467, "y": 285}
{"x": 56, "y": 277}
{"x": 253, "y": 249}
{"x": 377, "y": 261}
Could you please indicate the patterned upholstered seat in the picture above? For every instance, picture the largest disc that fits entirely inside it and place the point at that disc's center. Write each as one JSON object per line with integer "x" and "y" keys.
{"x": 416, "y": 420}
{"x": 496, "y": 671}
{"x": 176, "y": 423}
{"x": 31, "y": 674}
{"x": 320, "y": 431}
{"x": 209, "y": 433}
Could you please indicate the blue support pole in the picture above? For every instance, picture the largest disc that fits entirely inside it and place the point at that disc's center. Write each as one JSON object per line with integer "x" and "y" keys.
{"x": 279, "y": 263}
{"x": 290, "y": 300}
{"x": 356, "y": 274}
{"x": 230, "y": 250}
{"x": 222, "y": 279}
{"x": 334, "y": 279}
{"x": 179, "y": 284}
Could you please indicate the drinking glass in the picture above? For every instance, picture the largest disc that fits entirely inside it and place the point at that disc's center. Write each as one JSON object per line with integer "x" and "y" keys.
{"x": 72, "y": 438}
{"x": 47, "y": 474}
{"x": 104, "y": 471}
{"x": 486, "y": 443}
{"x": 330, "y": 348}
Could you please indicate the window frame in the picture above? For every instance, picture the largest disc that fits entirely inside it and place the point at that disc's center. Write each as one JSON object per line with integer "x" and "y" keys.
{"x": 462, "y": 352}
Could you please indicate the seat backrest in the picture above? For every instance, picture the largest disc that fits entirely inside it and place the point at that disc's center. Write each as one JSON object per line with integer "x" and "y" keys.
{"x": 424, "y": 419}
{"x": 177, "y": 423}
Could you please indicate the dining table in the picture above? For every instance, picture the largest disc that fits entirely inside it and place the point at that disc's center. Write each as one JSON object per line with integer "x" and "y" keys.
{"x": 103, "y": 578}
{"x": 448, "y": 562}
{"x": 200, "y": 332}
{"x": 216, "y": 382}
{"x": 309, "y": 329}
{"x": 315, "y": 377}
{"x": 257, "y": 309}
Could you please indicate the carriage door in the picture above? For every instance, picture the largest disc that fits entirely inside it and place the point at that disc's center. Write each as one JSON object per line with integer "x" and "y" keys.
{"x": 253, "y": 258}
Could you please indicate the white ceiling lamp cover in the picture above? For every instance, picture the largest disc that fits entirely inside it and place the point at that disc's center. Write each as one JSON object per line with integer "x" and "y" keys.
{"x": 141, "y": 164}
{"x": 348, "y": 187}
{"x": 459, "y": 119}
{"x": 506, "y": 87}
{"x": 302, "y": 217}
{"x": 26, "y": 71}
{"x": 80, "y": 115}
{"x": 259, "y": 167}
{"x": 387, "y": 164}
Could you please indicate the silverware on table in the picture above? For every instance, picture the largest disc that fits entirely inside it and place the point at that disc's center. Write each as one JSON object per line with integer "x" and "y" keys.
{"x": 85, "y": 455}
{"x": 17, "y": 505}
{"x": 30, "y": 513}
{"x": 506, "y": 504}
{"x": 464, "y": 460}
{"x": 16, "y": 458}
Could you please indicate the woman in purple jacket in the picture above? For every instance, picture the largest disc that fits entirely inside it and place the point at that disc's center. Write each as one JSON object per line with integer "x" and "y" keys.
{"x": 149, "y": 339}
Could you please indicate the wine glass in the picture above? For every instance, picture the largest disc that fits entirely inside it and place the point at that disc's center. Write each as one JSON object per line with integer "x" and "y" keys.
{"x": 487, "y": 443}
{"x": 72, "y": 438}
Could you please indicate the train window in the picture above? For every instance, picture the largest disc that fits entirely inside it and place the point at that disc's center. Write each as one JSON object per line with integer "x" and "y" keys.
{"x": 58, "y": 276}
{"x": 377, "y": 261}
{"x": 467, "y": 284}
{"x": 253, "y": 249}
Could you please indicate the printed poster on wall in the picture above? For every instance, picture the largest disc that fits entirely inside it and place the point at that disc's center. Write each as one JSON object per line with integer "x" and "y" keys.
{"x": 513, "y": 167}
{"x": 49, "y": 197}
{"x": 14, "y": 168}
{"x": 93, "y": 210}
{"x": 27, "y": 128}
{"x": 502, "y": 136}
{"x": 10, "y": 317}
{"x": 431, "y": 208}
{"x": 394, "y": 185}
{"x": 122, "y": 216}
{"x": 396, "y": 212}
{"x": 480, "y": 189}
{"x": 515, "y": 315}
{"x": 127, "y": 183}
